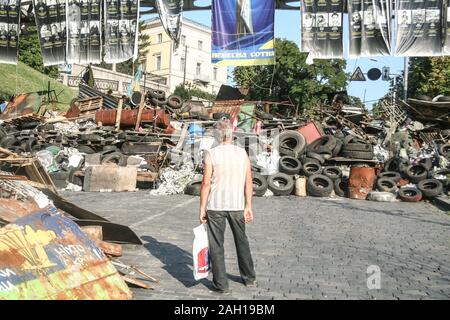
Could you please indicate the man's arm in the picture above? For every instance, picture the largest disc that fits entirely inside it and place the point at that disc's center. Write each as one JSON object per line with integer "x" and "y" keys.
{"x": 206, "y": 187}
{"x": 248, "y": 211}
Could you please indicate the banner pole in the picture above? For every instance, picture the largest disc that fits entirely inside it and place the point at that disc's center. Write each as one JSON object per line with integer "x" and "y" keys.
{"x": 405, "y": 78}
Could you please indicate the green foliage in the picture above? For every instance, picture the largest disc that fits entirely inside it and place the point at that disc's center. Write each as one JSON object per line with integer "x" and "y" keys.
{"x": 190, "y": 91}
{"x": 24, "y": 79}
{"x": 291, "y": 78}
{"x": 30, "y": 53}
{"x": 427, "y": 76}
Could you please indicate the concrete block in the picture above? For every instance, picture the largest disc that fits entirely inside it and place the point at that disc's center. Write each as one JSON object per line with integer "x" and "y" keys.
{"x": 110, "y": 177}
{"x": 92, "y": 159}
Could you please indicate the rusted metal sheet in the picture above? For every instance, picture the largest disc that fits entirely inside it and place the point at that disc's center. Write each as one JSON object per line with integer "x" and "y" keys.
{"x": 233, "y": 108}
{"x": 46, "y": 256}
{"x": 361, "y": 182}
{"x": 129, "y": 117}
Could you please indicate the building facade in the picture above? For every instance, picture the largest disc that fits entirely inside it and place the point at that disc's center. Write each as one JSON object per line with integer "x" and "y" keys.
{"x": 189, "y": 63}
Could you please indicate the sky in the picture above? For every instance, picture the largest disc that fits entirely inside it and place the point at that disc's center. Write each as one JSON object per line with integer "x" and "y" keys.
{"x": 287, "y": 25}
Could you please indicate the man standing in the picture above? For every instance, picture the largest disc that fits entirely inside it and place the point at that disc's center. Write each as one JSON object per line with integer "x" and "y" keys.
{"x": 226, "y": 194}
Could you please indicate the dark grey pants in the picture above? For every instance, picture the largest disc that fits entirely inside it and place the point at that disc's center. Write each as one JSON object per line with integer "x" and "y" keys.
{"x": 216, "y": 232}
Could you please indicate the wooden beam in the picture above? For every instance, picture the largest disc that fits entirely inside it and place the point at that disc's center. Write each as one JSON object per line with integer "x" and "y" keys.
{"x": 141, "y": 109}
{"x": 119, "y": 114}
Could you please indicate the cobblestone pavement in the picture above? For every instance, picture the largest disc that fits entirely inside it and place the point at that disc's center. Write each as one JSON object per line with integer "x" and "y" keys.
{"x": 303, "y": 248}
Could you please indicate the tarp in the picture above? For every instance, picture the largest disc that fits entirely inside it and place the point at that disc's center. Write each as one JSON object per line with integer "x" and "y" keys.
{"x": 171, "y": 15}
{"x": 322, "y": 28}
{"x": 419, "y": 28}
{"x": 369, "y": 23}
{"x": 50, "y": 18}
{"x": 243, "y": 32}
{"x": 84, "y": 33}
{"x": 9, "y": 30}
{"x": 121, "y": 26}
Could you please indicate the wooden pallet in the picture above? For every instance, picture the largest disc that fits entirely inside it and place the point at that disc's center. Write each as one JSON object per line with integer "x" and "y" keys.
{"x": 90, "y": 105}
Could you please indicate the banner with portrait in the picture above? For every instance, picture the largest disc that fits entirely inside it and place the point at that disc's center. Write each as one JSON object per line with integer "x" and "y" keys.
{"x": 369, "y": 24}
{"x": 446, "y": 26}
{"x": 171, "y": 15}
{"x": 121, "y": 30}
{"x": 84, "y": 31}
{"x": 419, "y": 28}
{"x": 50, "y": 16}
{"x": 9, "y": 30}
{"x": 322, "y": 28}
{"x": 243, "y": 32}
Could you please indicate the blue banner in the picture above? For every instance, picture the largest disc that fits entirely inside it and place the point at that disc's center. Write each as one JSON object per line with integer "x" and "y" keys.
{"x": 243, "y": 32}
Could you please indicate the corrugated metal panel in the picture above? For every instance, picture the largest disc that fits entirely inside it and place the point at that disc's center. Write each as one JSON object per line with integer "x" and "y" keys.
{"x": 88, "y": 92}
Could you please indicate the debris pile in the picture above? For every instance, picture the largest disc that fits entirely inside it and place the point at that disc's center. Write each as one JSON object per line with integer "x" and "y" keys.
{"x": 104, "y": 143}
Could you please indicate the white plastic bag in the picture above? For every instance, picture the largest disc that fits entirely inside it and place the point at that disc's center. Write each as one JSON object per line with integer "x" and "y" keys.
{"x": 200, "y": 253}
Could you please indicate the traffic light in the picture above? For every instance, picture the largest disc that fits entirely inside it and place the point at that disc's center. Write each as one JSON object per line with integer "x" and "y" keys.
{"x": 385, "y": 74}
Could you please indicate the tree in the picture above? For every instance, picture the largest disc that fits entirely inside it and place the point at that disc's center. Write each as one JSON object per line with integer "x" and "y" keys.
{"x": 291, "y": 78}
{"x": 30, "y": 53}
{"x": 189, "y": 91}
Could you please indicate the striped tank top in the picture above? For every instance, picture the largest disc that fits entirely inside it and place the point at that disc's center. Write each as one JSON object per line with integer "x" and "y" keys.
{"x": 228, "y": 178}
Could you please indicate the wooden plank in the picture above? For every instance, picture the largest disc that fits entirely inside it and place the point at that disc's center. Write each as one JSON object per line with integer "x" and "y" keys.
{"x": 141, "y": 109}
{"x": 119, "y": 114}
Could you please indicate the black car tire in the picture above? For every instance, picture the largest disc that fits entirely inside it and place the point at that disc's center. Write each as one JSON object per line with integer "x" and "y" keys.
{"x": 157, "y": 94}
{"x": 289, "y": 165}
{"x": 444, "y": 149}
{"x": 332, "y": 172}
{"x": 286, "y": 184}
{"x": 193, "y": 188}
{"x": 315, "y": 156}
{"x": 394, "y": 176}
{"x": 357, "y": 147}
{"x": 386, "y": 185}
{"x": 357, "y": 155}
{"x": 410, "y": 194}
{"x": 430, "y": 188}
{"x": 311, "y": 168}
{"x": 416, "y": 173}
{"x": 175, "y": 102}
{"x": 260, "y": 185}
{"x": 319, "y": 185}
{"x": 291, "y": 143}
{"x": 427, "y": 162}
{"x": 341, "y": 187}
{"x": 114, "y": 157}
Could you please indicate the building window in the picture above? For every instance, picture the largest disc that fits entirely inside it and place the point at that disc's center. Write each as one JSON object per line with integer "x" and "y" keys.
{"x": 158, "y": 61}
{"x": 215, "y": 74}
{"x": 198, "y": 70}
{"x": 183, "y": 40}
{"x": 200, "y": 45}
{"x": 159, "y": 38}
{"x": 182, "y": 63}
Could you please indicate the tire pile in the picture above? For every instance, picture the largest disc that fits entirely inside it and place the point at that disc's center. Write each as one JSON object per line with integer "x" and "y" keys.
{"x": 312, "y": 162}
{"x": 34, "y": 137}
{"x": 410, "y": 182}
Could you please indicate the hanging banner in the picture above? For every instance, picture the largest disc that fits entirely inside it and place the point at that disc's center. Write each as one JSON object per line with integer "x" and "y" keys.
{"x": 419, "y": 27}
{"x": 171, "y": 15}
{"x": 121, "y": 30}
{"x": 243, "y": 32}
{"x": 50, "y": 18}
{"x": 446, "y": 25}
{"x": 322, "y": 28}
{"x": 84, "y": 33}
{"x": 369, "y": 23}
{"x": 9, "y": 30}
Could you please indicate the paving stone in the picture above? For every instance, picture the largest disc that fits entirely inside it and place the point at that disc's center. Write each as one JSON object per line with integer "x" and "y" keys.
{"x": 303, "y": 248}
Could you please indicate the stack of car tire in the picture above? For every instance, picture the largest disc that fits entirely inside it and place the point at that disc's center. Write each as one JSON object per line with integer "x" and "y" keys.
{"x": 399, "y": 175}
